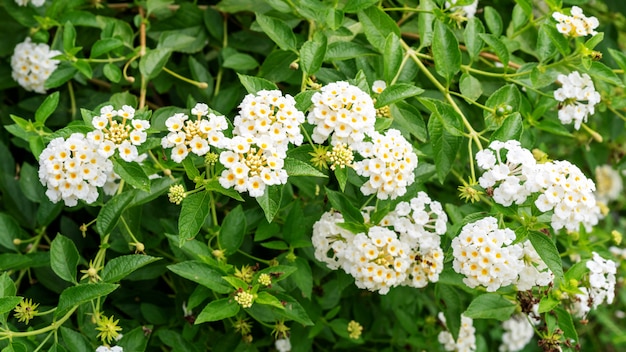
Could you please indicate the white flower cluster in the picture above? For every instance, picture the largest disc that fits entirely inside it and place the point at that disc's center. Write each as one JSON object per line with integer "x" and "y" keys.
{"x": 72, "y": 169}
{"x": 609, "y": 183}
{"x": 251, "y": 166}
{"x": 467, "y": 11}
{"x": 403, "y": 250}
{"x": 506, "y": 176}
{"x": 466, "y": 342}
{"x": 601, "y": 286}
{"x": 343, "y": 110}
{"x": 272, "y": 116}
{"x": 576, "y": 25}
{"x": 388, "y": 161}
{"x": 32, "y": 64}
{"x": 196, "y": 136}
{"x": 283, "y": 345}
{"x": 578, "y": 98}
{"x": 518, "y": 331}
{"x": 111, "y": 135}
{"x": 569, "y": 194}
{"x": 485, "y": 255}
{"x": 109, "y": 349}
{"x": 514, "y": 175}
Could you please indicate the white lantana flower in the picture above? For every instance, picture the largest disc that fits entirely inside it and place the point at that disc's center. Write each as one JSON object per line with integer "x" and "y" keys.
{"x": 578, "y": 98}
{"x": 609, "y": 183}
{"x": 518, "y": 331}
{"x": 466, "y": 340}
{"x": 576, "y": 25}
{"x": 32, "y": 64}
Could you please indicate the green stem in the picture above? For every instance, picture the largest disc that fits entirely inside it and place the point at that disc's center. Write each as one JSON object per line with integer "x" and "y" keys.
{"x": 201, "y": 85}
{"x": 266, "y": 262}
{"x": 213, "y": 209}
{"x": 8, "y": 334}
{"x": 128, "y": 229}
{"x": 70, "y": 90}
{"x": 406, "y": 9}
{"x": 486, "y": 108}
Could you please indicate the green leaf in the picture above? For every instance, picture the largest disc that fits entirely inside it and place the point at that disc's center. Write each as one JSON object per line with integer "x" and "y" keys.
{"x": 470, "y": 87}
{"x": 176, "y": 41}
{"x": 493, "y": 20}
{"x": 396, "y": 93}
{"x": 83, "y": 67}
{"x": 557, "y": 38}
{"x": 511, "y": 128}
{"x": 445, "y": 147}
{"x": 158, "y": 186}
{"x": 9, "y": 230}
{"x": 64, "y": 258}
{"x": 112, "y": 73}
{"x": 293, "y": 310}
{"x": 353, "y": 6}
{"x": 110, "y": 213}
{"x": 194, "y": 210}
{"x": 341, "y": 174}
{"x": 312, "y": 53}
{"x": 218, "y": 310}
{"x": 449, "y": 118}
{"x": 255, "y": 84}
{"x": 134, "y": 340}
{"x": 340, "y": 202}
{"x": 377, "y": 25}
{"x": 214, "y": 185}
{"x": 82, "y": 293}
{"x": 233, "y": 230}
{"x": 303, "y": 277}
{"x": 268, "y": 299}
{"x": 240, "y": 62}
{"x": 409, "y": 119}
{"x": 473, "y": 41}
{"x": 155, "y": 5}
{"x": 600, "y": 71}
{"x": 47, "y": 107}
{"x": 104, "y": 46}
{"x": 545, "y": 48}
{"x": 295, "y": 167}
{"x": 450, "y": 304}
{"x": 594, "y": 41}
{"x": 202, "y": 274}
{"x": 506, "y": 95}
{"x": 490, "y": 306}
{"x": 498, "y": 47}
{"x": 619, "y": 57}
{"x": 392, "y": 56}
{"x": 64, "y": 72}
{"x": 270, "y": 201}
{"x": 132, "y": 173}
{"x": 7, "y": 303}
{"x": 547, "y": 304}
{"x": 119, "y": 267}
{"x": 69, "y": 37}
{"x": 548, "y": 253}
{"x": 153, "y": 61}
{"x": 293, "y": 231}
{"x": 566, "y": 324}
{"x": 74, "y": 340}
{"x": 339, "y": 51}
{"x": 446, "y": 52}
{"x": 278, "y": 31}
{"x": 425, "y": 22}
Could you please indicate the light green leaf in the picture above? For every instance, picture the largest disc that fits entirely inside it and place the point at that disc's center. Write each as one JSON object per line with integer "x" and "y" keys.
{"x": 265, "y": 298}
{"x": 69, "y": 37}
{"x": 312, "y": 53}
{"x": 498, "y": 47}
{"x": 409, "y": 119}
{"x": 104, "y": 46}
{"x": 202, "y": 274}
{"x": 566, "y": 324}
{"x": 295, "y": 167}
{"x": 214, "y": 185}
{"x": 155, "y": 5}
{"x": 490, "y": 306}
{"x": 240, "y": 62}
{"x": 194, "y": 210}
{"x": 278, "y": 31}
{"x": 74, "y": 340}
{"x": 218, "y": 310}
{"x": 377, "y": 25}
{"x": 396, "y": 93}
{"x": 507, "y": 95}
{"x": 255, "y": 84}
{"x": 470, "y": 87}
{"x": 278, "y": 272}
{"x": 64, "y": 72}
{"x": 47, "y": 107}
{"x": 112, "y": 72}
{"x": 445, "y": 147}
{"x": 446, "y": 52}
{"x": 548, "y": 253}
{"x": 392, "y": 56}
{"x": 600, "y": 71}
{"x": 119, "y": 267}
{"x": 473, "y": 41}
{"x": 557, "y": 38}
{"x": 64, "y": 258}
{"x": 293, "y": 310}
{"x": 110, "y": 213}
{"x": 175, "y": 41}
{"x": 511, "y": 128}
{"x": 425, "y": 22}
{"x": 339, "y": 51}
{"x": 153, "y": 62}
{"x": 341, "y": 174}
{"x": 132, "y": 173}
{"x": 493, "y": 20}
{"x": 449, "y": 118}
{"x": 83, "y": 293}
{"x": 353, "y": 6}
{"x": 270, "y": 201}
{"x": 233, "y": 230}
{"x": 7, "y": 303}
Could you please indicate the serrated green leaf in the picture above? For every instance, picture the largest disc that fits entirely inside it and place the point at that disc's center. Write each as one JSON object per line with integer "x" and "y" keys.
{"x": 293, "y": 310}
{"x": 195, "y": 209}
{"x": 339, "y": 51}
{"x": 493, "y": 20}
{"x": 104, "y": 46}
{"x": 132, "y": 173}
{"x": 566, "y": 324}
{"x": 600, "y": 71}
{"x": 353, "y": 6}
{"x": 312, "y": 53}
{"x": 202, "y": 274}
{"x": 470, "y": 87}
{"x": 447, "y": 116}
{"x": 74, "y": 340}
{"x": 218, "y": 310}
{"x": 270, "y": 201}
{"x": 498, "y": 47}
{"x": 409, "y": 119}
{"x": 392, "y": 56}
{"x": 255, "y": 84}
{"x": 397, "y": 92}
{"x": 511, "y": 128}
{"x": 278, "y": 31}
{"x": 64, "y": 258}
{"x": 153, "y": 61}
{"x": 214, "y": 185}
{"x": 233, "y": 230}
{"x": 377, "y": 25}
{"x": 445, "y": 147}
{"x": 548, "y": 253}
{"x": 83, "y": 293}
{"x": 119, "y": 267}
{"x": 425, "y": 22}
{"x": 473, "y": 41}
{"x": 110, "y": 213}
{"x": 446, "y": 52}
{"x": 47, "y": 107}
{"x": 557, "y": 38}
{"x": 240, "y": 62}
{"x": 295, "y": 167}
{"x": 490, "y": 306}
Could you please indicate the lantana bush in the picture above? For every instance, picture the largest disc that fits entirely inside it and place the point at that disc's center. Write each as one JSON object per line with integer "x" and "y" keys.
{"x": 312, "y": 175}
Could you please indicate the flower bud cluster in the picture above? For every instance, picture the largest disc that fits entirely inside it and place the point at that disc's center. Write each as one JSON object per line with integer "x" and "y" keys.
{"x": 270, "y": 115}
{"x": 578, "y": 98}
{"x": 32, "y": 64}
{"x": 466, "y": 340}
{"x": 124, "y": 136}
{"x": 487, "y": 257}
{"x": 73, "y": 169}
{"x": 576, "y": 25}
{"x": 403, "y": 250}
{"x": 344, "y": 111}
{"x": 194, "y": 136}
{"x": 388, "y": 162}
